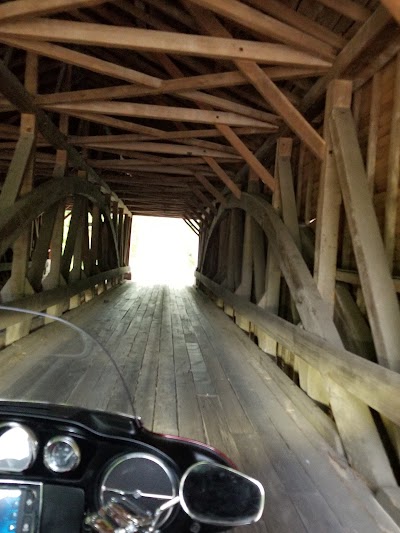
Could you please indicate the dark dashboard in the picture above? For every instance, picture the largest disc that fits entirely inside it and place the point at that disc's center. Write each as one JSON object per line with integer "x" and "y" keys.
{"x": 76, "y": 460}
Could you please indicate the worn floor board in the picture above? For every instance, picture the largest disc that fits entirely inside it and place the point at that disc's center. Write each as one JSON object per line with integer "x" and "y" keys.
{"x": 193, "y": 372}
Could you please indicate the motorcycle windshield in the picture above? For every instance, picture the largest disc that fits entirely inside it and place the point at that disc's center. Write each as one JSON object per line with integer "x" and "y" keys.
{"x": 62, "y": 361}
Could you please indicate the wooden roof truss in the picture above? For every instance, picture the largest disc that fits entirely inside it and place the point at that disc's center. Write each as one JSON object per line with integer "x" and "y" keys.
{"x": 169, "y": 103}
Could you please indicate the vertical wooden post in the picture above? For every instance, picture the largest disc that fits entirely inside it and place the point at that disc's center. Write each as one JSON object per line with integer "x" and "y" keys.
{"x": 40, "y": 252}
{"x": 246, "y": 281}
{"x": 300, "y": 180}
{"x": 223, "y": 242}
{"x": 104, "y": 258}
{"x": 392, "y": 187}
{"x": 258, "y": 244}
{"x": 244, "y": 288}
{"x": 54, "y": 278}
{"x": 128, "y": 240}
{"x": 114, "y": 211}
{"x": 120, "y": 232}
{"x": 18, "y": 284}
{"x": 286, "y": 186}
{"x": 125, "y": 222}
{"x": 69, "y": 250}
{"x": 374, "y": 113}
{"x": 271, "y": 296}
{"x": 234, "y": 250}
{"x": 234, "y": 265}
{"x": 94, "y": 248}
{"x": 329, "y": 201}
{"x": 308, "y": 200}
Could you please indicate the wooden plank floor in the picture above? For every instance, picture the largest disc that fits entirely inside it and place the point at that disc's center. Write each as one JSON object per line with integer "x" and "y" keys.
{"x": 196, "y": 374}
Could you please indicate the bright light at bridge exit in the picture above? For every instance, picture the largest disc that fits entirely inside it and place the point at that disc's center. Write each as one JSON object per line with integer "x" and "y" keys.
{"x": 163, "y": 251}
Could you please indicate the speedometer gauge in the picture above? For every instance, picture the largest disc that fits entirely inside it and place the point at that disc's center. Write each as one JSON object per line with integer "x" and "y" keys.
{"x": 61, "y": 454}
{"x": 142, "y": 481}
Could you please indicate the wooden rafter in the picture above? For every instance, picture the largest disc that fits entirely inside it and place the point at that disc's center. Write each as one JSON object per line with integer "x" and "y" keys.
{"x": 156, "y": 41}
{"x": 296, "y": 19}
{"x": 158, "y": 112}
{"x": 71, "y": 57}
{"x": 206, "y": 81}
{"x": 268, "y": 26}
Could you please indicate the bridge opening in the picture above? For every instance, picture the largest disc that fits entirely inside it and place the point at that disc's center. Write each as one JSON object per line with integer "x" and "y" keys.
{"x": 163, "y": 251}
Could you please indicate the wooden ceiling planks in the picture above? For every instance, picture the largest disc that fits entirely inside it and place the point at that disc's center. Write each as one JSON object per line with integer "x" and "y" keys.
{"x": 182, "y": 85}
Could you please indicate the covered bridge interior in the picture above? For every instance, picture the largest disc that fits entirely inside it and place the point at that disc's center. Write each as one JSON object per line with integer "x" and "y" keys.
{"x": 272, "y": 128}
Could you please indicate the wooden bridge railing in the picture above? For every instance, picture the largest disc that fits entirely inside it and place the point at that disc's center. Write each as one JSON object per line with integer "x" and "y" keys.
{"x": 375, "y": 385}
{"x": 84, "y": 289}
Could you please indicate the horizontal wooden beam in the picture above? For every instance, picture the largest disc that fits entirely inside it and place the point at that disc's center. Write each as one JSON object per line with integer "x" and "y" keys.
{"x": 159, "y": 112}
{"x": 109, "y": 140}
{"x": 352, "y": 277}
{"x": 204, "y": 81}
{"x": 42, "y": 301}
{"x": 163, "y": 148}
{"x": 129, "y": 38}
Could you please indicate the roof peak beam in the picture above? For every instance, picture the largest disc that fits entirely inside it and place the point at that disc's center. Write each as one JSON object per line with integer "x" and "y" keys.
{"x": 104, "y": 35}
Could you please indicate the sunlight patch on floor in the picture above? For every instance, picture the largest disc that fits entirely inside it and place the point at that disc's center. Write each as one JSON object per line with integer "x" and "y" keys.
{"x": 163, "y": 251}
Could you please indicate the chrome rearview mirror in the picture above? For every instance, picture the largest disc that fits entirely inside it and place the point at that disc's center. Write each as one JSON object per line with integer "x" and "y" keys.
{"x": 215, "y": 494}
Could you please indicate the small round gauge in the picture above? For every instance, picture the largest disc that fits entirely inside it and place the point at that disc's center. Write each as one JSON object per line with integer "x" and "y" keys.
{"x": 61, "y": 454}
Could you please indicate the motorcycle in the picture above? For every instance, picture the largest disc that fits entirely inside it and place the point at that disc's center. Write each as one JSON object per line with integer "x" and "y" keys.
{"x": 73, "y": 459}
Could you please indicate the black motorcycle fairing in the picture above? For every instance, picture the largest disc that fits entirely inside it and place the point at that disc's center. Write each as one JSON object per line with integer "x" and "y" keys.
{"x": 102, "y": 437}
